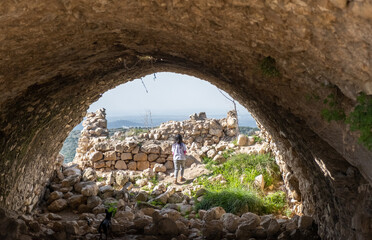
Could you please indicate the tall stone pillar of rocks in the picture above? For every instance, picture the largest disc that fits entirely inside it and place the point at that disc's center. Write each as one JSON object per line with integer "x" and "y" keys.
{"x": 95, "y": 126}
{"x": 232, "y": 124}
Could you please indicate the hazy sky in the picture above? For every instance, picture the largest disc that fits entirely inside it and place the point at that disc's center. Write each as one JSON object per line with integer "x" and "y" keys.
{"x": 168, "y": 94}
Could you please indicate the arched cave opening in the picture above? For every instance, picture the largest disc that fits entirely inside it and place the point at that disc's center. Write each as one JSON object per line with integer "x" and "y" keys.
{"x": 282, "y": 60}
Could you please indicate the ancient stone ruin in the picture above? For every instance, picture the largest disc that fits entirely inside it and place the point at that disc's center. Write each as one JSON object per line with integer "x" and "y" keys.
{"x": 153, "y": 149}
{"x": 285, "y": 61}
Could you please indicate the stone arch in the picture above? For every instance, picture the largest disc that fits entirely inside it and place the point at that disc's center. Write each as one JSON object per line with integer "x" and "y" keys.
{"x": 58, "y": 57}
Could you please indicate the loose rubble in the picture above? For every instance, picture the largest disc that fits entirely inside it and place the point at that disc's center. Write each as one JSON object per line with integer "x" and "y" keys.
{"x": 116, "y": 173}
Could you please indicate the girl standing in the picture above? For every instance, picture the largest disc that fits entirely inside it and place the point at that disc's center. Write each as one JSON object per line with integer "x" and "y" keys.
{"x": 179, "y": 157}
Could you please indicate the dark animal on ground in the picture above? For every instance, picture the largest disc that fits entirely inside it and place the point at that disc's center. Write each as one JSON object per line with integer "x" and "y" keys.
{"x": 105, "y": 225}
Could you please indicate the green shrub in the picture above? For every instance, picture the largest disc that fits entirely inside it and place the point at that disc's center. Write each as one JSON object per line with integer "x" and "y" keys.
{"x": 333, "y": 111}
{"x": 233, "y": 200}
{"x": 360, "y": 119}
{"x": 257, "y": 139}
{"x": 275, "y": 202}
{"x": 268, "y": 67}
{"x": 111, "y": 207}
{"x": 100, "y": 179}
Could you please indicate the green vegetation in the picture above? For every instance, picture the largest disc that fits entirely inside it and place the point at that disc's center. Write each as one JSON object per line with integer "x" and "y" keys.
{"x": 257, "y": 139}
{"x": 111, "y": 207}
{"x": 100, "y": 179}
{"x": 238, "y": 192}
{"x": 268, "y": 67}
{"x": 333, "y": 111}
{"x": 361, "y": 119}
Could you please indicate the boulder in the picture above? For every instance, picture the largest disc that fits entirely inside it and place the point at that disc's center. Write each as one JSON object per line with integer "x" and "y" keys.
{"x": 106, "y": 191}
{"x": 54, "y": 196}
{"x": 273, "y": 228}
{"x": 230, "y": 222}
{"x": 259, "y": 182}
{"x": 70, "y": 181}
{"x": 251, "y": 220}
{"x": 141, "y": 182}
{"x": 120, "y": 165}
{"x": 90, "y": 190}
{"x": 219, "y": 159}
{"x": 213, "y": 230}
{"x": 79, "y": 186}
{"x": 168, "y": 227}
{"x": 93, "y": 201}
{"x": 89, "y": 174}
{"x": 214, "y": 214}
{"x": 169, "y": 165}
{"x": 75, "y": 200}
{"x": 71, "y": 171}
{"x": 159, "y": 168}
{"x": 244, "y": 231}
{"x": 96, "y": 156}
{"x": 242, "y": 140}
{"x": 57, "y": 205}
{"x": 121, "y": 178}
{"x": 251, "y": 141}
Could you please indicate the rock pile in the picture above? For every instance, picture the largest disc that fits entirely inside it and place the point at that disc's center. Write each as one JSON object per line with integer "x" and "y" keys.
{"x": 198, "y": 130}
{"x": 95, "y": 126}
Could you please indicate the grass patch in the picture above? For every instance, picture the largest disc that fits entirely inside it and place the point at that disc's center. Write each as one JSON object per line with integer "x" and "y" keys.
{"x": 238, "y": 193}
{"x": 233, "y": 200}
{"x": 275, "y": 202}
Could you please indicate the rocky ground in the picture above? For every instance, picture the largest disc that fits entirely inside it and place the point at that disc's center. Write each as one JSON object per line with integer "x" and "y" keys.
{"x": 148, "y": 206}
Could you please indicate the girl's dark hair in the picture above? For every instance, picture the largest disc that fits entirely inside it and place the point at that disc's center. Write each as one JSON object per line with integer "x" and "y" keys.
{"x": 178, "y": 139}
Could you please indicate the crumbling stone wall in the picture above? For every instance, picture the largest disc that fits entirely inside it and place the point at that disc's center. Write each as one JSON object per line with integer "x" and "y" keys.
{"x": 151, "y": 149}
{"x": 57, "y": 58}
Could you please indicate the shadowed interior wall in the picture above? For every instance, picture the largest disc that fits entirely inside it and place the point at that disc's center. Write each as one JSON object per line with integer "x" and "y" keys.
{"x": 59, "y": 56}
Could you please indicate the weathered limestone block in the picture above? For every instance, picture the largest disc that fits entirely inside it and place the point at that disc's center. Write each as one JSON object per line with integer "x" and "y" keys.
{"x": 143, "y": 165}
{"x": 151, "y": 148}
{"x": 152, "y": 157}
{"x": 159, "y": 168}
{"x": 161, "y": 160}
{"x": 120, "y": 165}
{"x": 57, "y": 205}
{"x": 108, "y": 156}
{"x": 99, "y": 164}
{"x": 126, "y": 156}
{"x": 169, "y": 164}
{"x": 216, "y": 132}
{"x": 140, "y": 157}
{"x": 242, "y": 140}
{"x": 132, "y": 166}
{"x": 102, "y": 147}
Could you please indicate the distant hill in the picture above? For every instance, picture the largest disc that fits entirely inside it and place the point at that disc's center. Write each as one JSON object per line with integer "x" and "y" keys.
{"x": 122, "y": 123}
{"x": 138, "y": 121}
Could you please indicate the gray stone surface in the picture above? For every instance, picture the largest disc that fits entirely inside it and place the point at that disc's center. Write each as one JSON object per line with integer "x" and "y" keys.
{"x": 57, "y": 60}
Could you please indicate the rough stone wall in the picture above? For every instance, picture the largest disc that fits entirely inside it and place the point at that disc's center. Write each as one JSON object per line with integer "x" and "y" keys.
{"x": 151, "y": 149}
{"x": 58, "y": 57}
